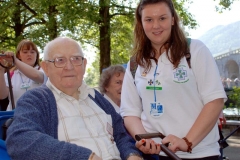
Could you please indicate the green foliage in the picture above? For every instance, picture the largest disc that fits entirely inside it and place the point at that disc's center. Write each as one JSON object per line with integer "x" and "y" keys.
{"x": 223, "y": 5}
{"x": 234, "y": 95}
{"x": 186, "y": 17}
{"x": 93, "y": 76}
{"x": 121, "y": 42}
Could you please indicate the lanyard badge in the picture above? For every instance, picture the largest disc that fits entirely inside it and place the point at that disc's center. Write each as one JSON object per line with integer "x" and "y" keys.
{"x": 156, "y": 108}
{"x": 25, "y": 85}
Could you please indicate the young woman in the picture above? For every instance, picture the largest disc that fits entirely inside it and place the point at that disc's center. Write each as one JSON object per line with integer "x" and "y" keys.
{"x": 26, "y": 74}
{"x": 180, "y": 97}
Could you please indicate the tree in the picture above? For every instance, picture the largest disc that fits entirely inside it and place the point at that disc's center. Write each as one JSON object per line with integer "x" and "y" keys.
{"x": 224, "y": 4}
{"x": 27, "y": 19}
{"x": 92, "y": 78}
{"x": 234, "y": 96}
{"x": 98, "y": 23}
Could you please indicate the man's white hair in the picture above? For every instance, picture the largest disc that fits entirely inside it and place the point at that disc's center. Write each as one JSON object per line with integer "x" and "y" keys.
{"x": 51, "y": 43}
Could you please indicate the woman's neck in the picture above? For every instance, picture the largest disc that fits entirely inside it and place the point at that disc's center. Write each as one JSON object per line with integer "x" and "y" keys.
{"x": 115, "y": 100}
{"x": 159, "y": 52}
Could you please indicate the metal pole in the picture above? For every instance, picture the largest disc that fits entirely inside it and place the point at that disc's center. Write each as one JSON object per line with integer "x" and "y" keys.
{"x": 10, "y": 89}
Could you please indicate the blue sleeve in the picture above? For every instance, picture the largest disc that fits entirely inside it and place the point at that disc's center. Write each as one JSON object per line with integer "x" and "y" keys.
{"x": 33, "y": 133}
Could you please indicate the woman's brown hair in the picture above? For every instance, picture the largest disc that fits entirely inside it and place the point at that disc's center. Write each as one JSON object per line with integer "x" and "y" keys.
{"x": 28, "y": 44}
{"x": 107, "y": 74}
{"x": 177, "y": 43}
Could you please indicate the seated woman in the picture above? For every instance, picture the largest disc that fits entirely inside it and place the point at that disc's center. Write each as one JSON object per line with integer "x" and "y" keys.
{"x": 25, "y": 75}
{"x": 110, "y": 84}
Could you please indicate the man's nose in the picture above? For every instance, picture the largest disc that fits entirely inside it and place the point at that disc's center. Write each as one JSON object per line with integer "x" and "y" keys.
{"x": 68, "y": 65}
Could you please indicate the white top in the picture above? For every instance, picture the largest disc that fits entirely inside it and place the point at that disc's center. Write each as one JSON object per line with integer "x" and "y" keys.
{"x": 116, "y": 107}
{"x": 20, "y": 84}
{"x": 184, "y": 93}
{"x": 84, "y": 123}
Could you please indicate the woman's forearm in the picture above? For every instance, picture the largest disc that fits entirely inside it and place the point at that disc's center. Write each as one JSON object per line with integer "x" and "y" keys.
{"x": 4, "y": 89}
{"x": 205, "y": 121}
{"x": 29, "y": 71}
{"x": 134, "y": 125}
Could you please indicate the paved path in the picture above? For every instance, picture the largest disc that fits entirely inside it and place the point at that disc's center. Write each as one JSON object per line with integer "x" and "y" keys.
{"x": 233, "y": 150}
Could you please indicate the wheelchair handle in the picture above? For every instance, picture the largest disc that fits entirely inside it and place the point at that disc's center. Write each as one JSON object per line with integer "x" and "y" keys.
{"x": 164, "y": 147}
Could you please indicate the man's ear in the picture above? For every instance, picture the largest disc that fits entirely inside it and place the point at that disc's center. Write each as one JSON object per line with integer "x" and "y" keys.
{"x": 84, "y": 65}
{"x": 44, "y": 67}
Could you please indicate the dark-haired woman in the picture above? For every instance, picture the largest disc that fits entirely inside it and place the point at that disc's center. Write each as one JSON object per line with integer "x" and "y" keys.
{"x": 172, "y": 93}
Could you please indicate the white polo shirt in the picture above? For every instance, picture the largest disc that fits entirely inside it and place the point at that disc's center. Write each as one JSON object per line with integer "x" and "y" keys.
{"x": 181, "y": 94}
{"x": 18, "y": 79}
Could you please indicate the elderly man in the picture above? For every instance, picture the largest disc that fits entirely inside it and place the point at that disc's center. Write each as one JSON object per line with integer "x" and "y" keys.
{"x": 65, "y": 119}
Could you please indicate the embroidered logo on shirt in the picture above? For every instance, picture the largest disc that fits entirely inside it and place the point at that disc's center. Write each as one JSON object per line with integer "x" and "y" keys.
{"x": 180, "y": 75}
{"x": 151, "y": 85}
{"x": 150, "y": 82}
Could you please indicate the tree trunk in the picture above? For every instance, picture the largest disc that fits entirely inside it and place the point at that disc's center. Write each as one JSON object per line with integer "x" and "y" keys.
{"x": 18, "y": 27}
{"x": 52, "y": 24}
{"x": 104, "y": 28}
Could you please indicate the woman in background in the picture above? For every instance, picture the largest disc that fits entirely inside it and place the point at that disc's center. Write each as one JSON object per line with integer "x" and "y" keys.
{"x": 110, "y": 84}
{"x": 25, "y": 75}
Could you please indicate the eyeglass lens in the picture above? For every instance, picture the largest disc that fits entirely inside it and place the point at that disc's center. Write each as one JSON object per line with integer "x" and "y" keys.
{"x": 61, "y": 61}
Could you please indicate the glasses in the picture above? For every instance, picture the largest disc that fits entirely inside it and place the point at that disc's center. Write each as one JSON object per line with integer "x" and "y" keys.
{"x": 60, "y": 62}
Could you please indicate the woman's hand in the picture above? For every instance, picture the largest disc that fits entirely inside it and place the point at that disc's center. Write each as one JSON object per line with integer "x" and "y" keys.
{"x": 148, "y": 146}
{"x": 175, "y": 143}
{"x": 7, "y": 59}
{"x": 9, "y": 53}
{"x": 4, "y": 89}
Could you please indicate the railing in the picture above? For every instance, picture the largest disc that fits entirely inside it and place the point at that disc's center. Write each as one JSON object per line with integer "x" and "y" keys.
{"x": 226, "y": 54}
{"x": 232, "y": 122}
{"x": 233, "y": 117}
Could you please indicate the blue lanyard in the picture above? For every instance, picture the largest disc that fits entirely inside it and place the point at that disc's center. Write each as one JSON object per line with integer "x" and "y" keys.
{"x": 154, "y": 80}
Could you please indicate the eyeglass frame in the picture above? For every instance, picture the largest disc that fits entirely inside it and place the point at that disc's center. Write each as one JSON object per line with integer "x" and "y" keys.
{"x": 53, "y": 61}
